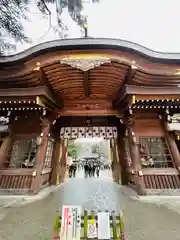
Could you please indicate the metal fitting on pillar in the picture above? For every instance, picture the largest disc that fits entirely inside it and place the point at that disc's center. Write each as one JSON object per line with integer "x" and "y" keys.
{"x": 126, "y": 133}
{"x": 130, "y": 111}
{"x": 160, "y": 116}
{"x": 140, "y": 173}
{"x": 134, "y": 140}
{"x": 169, "y": 119}
{"x": 44, "y": 112}
{"x": 167, "y": 110}
{"x": 39, "y": 139}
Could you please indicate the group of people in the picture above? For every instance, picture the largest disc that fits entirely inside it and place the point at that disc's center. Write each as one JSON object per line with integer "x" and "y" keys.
{"x": 90, "y": 170}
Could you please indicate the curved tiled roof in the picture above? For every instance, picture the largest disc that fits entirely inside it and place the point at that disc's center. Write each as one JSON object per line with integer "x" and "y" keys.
{"x": 92, "y": 43}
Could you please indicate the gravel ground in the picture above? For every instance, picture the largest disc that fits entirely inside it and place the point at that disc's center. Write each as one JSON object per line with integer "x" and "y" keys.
{"x": 142, "y": 220}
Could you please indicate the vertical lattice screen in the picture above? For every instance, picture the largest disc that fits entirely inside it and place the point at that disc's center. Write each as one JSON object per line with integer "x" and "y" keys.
{"x": 23, "y": 154}
{"x": 49, "y": 152}
{"x": 154, "y": 152}
{"x": 127, "y": 152}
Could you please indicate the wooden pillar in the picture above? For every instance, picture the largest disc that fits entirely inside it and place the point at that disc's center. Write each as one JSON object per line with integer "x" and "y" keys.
{"x": 4, "y": 150}
{"x": 136, "y": 158}
{"x": 63, "y": 161}
{"x": 122, "y": 160}
{"x": 172, "y": 145}
{"x": 55, "y": 161}
{"x": 40, "y": 158}
{"x": 116, "y": 169}
{"x": 114, "y": 161}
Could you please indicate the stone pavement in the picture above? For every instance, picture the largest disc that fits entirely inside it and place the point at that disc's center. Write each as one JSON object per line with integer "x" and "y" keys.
{"x": 144, "y": 221}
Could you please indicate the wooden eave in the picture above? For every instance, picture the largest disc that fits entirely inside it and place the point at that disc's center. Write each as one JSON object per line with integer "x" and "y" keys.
{"x": 156, "y": 104}
{"x": 24, "y": 96}
{"x": 148, "y": 97}
{"x": 130, "y": 65}
{"x": 154, "y": 94}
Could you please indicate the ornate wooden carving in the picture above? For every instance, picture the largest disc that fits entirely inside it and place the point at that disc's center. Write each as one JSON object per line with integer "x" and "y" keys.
{"x": 85, "y": 64}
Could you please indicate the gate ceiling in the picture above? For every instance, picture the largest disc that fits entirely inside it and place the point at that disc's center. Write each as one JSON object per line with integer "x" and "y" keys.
{"x": 105, "y": 132}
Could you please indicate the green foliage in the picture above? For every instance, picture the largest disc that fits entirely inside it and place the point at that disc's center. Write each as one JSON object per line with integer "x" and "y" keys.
{"x": 11, "y": 15}
{"x": 72, "y": 149}
{"x": 95, "y": 148}
{"x": 12, "y": 12}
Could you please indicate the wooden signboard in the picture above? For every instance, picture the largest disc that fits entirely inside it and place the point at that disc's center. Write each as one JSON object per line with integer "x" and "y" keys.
{"x": 104, "y": 226}
{"x": 71, "y": 223}
{"x": 93, "y": 225}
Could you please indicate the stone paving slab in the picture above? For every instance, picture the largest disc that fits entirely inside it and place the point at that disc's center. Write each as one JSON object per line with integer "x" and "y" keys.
{"x": 144, "y": 221}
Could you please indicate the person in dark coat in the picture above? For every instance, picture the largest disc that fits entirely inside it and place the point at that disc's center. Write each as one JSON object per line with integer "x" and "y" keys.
{"x": 90, "y": 170}
{"x": 74, "y": 170}
{"x": 70, "y": 170}
{"x": 93, "y": 170}
{"x": 86, "y": 170}
{"x": 97, "y": 170}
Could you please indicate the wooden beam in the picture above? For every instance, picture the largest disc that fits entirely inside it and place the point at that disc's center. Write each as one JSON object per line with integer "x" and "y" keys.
{"x": 88, "y": 113}
{"x": 46, "y": 103}
{"x": 40, "y": 74}
{"x": 127, "y": 81}
{"x": 86, "y": 84}
{"x": 25, "y": 92}
{"x": 121, "y": 95}
{"x": 124, "y": 104}
{"x": 146, "y": 90}
{"x": 130, "y": 74}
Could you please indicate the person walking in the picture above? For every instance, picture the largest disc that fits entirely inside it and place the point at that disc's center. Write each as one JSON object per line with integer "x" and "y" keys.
{"x": 86, "y": 170}
{"x": 93, "y": 170}
{"x": 97, "y": 170}
{"x": 90, "y": 170}
{"x": 70, "y": 170}
{"x": 74, "y": 170}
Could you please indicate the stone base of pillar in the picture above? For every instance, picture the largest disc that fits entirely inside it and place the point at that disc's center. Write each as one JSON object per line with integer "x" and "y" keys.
{"x": 124, "y": 177}
{"x": 140, "y": 189}
{"x": 62, "y": 174}
{"x": 116, "y": 172}
{"x": 55, "y": 236}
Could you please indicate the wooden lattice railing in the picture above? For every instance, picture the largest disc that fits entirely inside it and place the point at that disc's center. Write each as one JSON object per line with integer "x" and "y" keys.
{"x": 45, "y": 177}
{"x": 15, "y": 179}
{"x": 161, "y": 178}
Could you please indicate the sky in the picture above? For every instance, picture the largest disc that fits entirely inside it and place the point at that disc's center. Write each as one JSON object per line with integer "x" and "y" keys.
{"x": 154, "y": 24}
